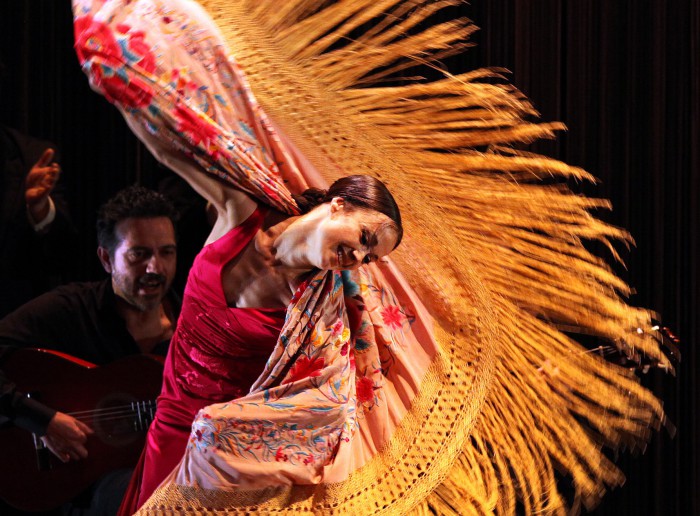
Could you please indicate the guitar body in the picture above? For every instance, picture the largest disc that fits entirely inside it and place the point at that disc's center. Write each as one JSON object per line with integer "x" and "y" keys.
{"x": 106, "y": 398}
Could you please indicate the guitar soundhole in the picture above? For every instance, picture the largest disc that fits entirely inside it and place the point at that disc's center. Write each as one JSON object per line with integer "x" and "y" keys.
{"x": 120, "y": 419}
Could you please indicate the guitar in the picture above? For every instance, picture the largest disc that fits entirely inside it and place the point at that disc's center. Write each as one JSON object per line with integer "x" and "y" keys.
{"x": 116, "y": 401}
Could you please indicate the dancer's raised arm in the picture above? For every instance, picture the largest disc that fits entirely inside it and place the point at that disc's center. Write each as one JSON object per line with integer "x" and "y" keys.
{"x": 232, "y": 205}
{"x": 198, "y": 117}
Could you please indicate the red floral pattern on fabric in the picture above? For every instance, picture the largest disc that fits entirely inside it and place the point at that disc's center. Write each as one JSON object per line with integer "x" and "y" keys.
{"x": 107, "y": 58}
{"x": 392, "y": 317}
{"x": 364, "y": 389}
{"x": 305, "y": 367}
{"x": 197, "y": 129}
{"x": 337, "y": 328}
{"x": 138, "y": 50}
{"x": 280, "y": 455}
{"x": 299, "y": 292}
{"x": 94, "y": 37}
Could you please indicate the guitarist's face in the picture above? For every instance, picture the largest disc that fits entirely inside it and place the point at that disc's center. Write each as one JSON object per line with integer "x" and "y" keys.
{"x": 143, "y": 264}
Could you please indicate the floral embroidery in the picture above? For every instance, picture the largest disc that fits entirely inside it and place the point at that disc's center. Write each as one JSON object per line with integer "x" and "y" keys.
{"x": 364, "y": 389}
{"x": 349, "y": 284}
{"x": 106, "y": 56}
{"x": 337, "y": 328}
{"x": 340, "y": 334}
{"x": 266, "y": 440}
{"x": 300, "y": 290}
{"x": 280, "y": 455}
{"x": 197, "y": 129}
{"x": 179, "y": 82}
{"x": 305, "y": 367}
{"x": 135, "y": 49}
{"x": 392, "y": 317}
{"x": 362, "y": 344}
{"x": 115, "y": 51}
{"x": 316, "y": 339}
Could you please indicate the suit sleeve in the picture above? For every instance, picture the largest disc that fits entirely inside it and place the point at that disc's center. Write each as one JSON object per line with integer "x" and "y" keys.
{"x": 19, "y": 410}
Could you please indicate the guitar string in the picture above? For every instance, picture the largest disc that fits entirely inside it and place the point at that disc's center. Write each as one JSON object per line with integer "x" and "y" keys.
{"x": 117, "y": 418}
{"x": 107, "y": 415}
{"x": 128, "y": 417}
{"x": 110, "y": 413}
{"x": 135, "y": 406}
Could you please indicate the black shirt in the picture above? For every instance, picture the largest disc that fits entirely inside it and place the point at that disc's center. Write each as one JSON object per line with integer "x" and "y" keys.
{"x": 80, "y": 319}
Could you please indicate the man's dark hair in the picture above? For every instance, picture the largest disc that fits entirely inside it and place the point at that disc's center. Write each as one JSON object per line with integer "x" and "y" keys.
{"x": 132, "y": 202}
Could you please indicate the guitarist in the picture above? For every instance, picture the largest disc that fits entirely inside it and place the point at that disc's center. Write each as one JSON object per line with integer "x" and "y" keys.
{"x": 133, "y": 311}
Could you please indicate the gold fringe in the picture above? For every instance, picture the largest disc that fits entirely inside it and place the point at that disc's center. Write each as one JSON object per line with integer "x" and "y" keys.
{"x": 540, "y": 407}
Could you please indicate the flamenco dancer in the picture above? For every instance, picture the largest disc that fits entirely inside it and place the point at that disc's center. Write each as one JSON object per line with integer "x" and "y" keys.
{"x": 311, "y": 372}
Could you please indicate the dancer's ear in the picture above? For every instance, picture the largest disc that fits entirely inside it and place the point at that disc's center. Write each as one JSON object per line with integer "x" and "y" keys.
{"x": 337, "y": 205}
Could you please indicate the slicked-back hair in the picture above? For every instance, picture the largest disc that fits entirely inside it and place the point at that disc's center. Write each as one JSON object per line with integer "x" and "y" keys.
{"x": 360, "y": 191}
{"x": 132, "y": 202}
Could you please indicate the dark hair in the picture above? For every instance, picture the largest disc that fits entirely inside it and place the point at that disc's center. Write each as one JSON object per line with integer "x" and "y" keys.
{"x": 360, "y": 191}
{"x": 132, "y": 202}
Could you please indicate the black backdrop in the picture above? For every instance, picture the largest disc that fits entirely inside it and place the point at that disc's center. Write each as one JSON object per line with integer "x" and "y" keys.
{"x": 623, "y": 75}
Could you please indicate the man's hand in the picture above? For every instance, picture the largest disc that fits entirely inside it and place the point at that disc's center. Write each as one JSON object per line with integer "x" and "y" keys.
{"x": 40, "y": 181}
{"x": 66, "y": 437}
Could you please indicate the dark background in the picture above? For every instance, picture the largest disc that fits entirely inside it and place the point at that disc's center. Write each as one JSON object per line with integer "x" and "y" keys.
{"x": 623, "y": 75}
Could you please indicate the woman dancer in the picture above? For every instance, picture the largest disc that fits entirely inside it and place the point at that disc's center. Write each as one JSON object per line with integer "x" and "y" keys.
{"x": 237, "y": 293}
{"x": 367, "y": 404}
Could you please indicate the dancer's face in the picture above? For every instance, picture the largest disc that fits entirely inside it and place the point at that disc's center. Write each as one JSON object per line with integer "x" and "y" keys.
{"x": 349, "y": 237}
{"x": 143, "y": 263}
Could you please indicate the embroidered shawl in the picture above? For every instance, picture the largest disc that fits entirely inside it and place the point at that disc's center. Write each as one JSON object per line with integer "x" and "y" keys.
{"x": 459, "y": 394}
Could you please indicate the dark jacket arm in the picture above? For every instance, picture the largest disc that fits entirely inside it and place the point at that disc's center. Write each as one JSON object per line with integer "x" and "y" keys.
{"x": 18, "y": 409}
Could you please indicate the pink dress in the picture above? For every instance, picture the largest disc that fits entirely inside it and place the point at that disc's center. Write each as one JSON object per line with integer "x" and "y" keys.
{"x": 216, "y": 354}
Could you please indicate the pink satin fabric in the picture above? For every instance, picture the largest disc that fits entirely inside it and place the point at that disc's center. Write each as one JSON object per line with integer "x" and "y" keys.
{"x": 216, "y": 354}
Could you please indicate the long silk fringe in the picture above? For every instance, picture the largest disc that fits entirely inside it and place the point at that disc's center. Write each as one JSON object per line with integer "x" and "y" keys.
{"x": 471, "y": 200}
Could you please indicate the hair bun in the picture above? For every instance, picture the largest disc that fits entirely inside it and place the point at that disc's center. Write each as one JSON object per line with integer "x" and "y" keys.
{"x": 310, "y": 198}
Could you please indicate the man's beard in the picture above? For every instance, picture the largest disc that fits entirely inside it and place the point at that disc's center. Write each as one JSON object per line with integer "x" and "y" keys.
{"x": 129, "y": 290}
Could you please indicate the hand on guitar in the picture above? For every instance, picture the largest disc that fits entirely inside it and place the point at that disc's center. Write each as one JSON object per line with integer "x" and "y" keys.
{"x": 66, "y": 437}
